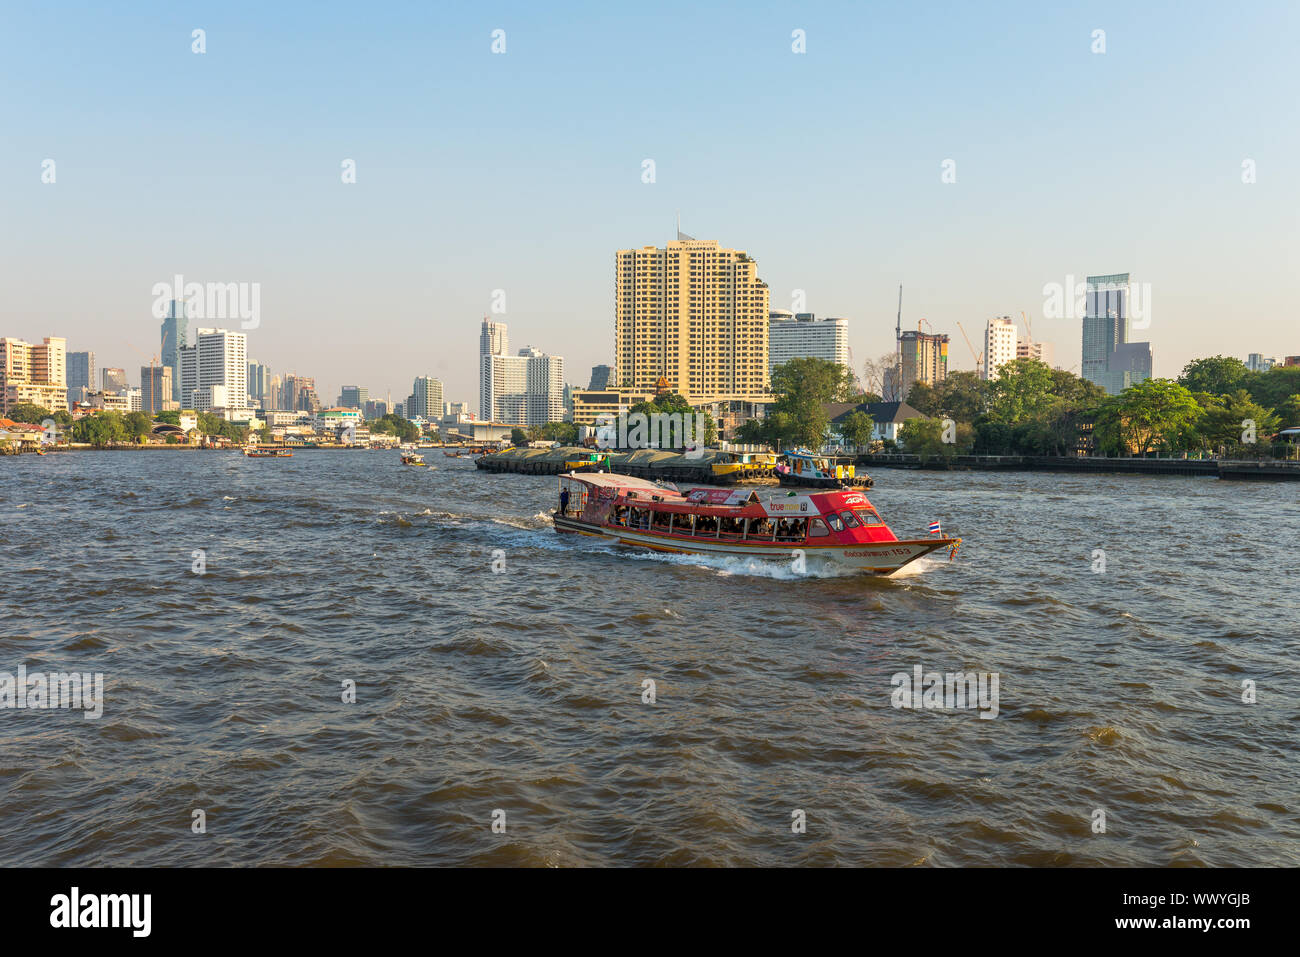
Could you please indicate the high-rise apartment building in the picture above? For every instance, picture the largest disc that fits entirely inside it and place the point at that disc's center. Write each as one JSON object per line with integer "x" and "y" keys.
{"x": 525, "y": 389}
{"x": 803, "y": 336}
{"x": 81, "y": 376}
{"x": 354, "y": 397}
{"x": 425, "y": 400}
{"x": 1042, "y": 351}
{"x": 298, "y": 394}
{"x": 693, "y": 313}
{"x": 259, "y": 385}
{"x": 493, "y": 341}
{"x": 156, "y": 389}
{"x": 925, "y": 359}
{"x": 172, "y": 338}
{"x": 33, "y": 373}
{"x": 214, "y": 371}
{"x": 543, "y": 387}
{"x": 113, "y": 380}
{"x": 1105, "y": 329}
{"x": 1000, "y": 341}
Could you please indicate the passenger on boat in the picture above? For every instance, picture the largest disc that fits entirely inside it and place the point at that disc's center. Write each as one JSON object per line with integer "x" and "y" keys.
{"x": 620, "y": 514}
{"x": 564, "y": 501}
{"x": 790, "y": 531}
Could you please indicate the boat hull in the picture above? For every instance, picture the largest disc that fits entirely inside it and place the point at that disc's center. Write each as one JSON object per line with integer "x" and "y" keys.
{"x": 876, "y": 558}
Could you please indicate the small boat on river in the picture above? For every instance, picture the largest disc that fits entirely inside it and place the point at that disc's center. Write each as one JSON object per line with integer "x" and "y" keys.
{"x": 800, "y": 468}
{"x": 253, "y": 452}
{"x": 840, "y": 525}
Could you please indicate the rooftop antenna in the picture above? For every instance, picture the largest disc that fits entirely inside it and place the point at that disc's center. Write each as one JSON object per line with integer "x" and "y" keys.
{"x": 681, "y": 235}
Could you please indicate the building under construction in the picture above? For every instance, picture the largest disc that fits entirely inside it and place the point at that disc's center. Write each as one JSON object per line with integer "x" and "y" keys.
{"x": 924, "y": 359}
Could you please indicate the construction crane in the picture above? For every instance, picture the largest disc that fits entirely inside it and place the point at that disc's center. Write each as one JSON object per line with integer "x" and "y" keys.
{"x": 1029, "y": 333}
{"x": 979, "y": 359}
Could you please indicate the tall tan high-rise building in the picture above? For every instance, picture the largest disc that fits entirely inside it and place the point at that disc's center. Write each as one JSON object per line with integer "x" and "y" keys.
{"x": 925, "y": 359}
{"x": 695, "y": 314}
{"x": 33, "y": 373}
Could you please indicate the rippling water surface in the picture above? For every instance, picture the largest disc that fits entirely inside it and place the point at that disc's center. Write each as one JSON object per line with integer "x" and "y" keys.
{"x": 522, "y": 691}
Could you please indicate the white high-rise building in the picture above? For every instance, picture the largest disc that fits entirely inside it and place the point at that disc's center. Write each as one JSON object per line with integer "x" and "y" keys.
{"x": 1042, "y": 351}
{"x": 493, "y": 343}
{"x": 999, "y": 345}
{"x": 543, "y": 387}
{"x": 214, "y": 371}
{"x": 527, "y": 389}
{"x": 804, "y": 336}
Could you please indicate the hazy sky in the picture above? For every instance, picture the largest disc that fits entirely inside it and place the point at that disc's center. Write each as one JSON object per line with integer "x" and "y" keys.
{"x": 522, "y": 171}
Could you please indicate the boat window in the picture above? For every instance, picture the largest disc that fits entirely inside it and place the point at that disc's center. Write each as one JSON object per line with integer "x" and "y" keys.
{"x": 733, "y": 526}
{"x": 791, "y": 529}
{"x": 706, "y": 526}
{"x": 835, "y": 522}
{"x": 661, "y": 520}
{"x": 867, "y": 516}
{"x": 620, "y": 515}
{"x": 761, "y": 528}
{"x": 818, "y": 529}
{"x": 849, "y": 519}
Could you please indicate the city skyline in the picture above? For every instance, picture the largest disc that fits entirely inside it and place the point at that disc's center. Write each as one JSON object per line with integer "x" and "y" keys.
{"x": 478, "y": 177}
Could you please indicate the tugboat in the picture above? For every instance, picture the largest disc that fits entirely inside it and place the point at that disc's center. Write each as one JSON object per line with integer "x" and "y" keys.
{"x": 801, "y": 468}
{"x": 839, "y": 526}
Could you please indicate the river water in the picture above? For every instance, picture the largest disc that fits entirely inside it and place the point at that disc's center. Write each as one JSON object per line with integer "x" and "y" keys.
{"x": 517, "y": 695}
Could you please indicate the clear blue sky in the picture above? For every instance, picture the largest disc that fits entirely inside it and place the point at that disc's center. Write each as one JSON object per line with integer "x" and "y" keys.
{"x": 522, "y": 171}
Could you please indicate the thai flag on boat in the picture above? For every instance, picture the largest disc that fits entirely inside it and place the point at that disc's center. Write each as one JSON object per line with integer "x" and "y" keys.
{"x": 934, "y": 528}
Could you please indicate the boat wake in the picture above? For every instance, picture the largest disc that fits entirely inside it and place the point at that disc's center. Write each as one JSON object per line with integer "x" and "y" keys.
{"x": 726, "y": 566}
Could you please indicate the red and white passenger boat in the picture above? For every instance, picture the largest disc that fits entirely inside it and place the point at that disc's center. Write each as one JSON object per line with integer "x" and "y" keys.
{"x": 838, "y": 526}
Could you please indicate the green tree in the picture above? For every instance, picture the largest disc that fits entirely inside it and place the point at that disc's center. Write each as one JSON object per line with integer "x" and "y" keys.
{"x": 170, "y": 416}
{"x": 1273, "y": 387}
{"x": 518, "y": 436}
{"x": 857, "y": 429}
{"x": 805, "y": 387}
{"x": 1288, "y": 411}
{"x": 925, "y": 437}
{"x": 671, "y": 403}
{"x": 1075, "y": 390}
{"x": 1217, "y": 375}
{"x": 394, "y": 424}
{"x": 28, "y": 413}
{"x": 566, "y": 433}
{"x": 100, "y": 430}
{"x": 1022, "y": 390}
{"x": 962, "y": 395}
{"x": 1237, "y": 423}
{"x": 137, "y": 424}
{"x": 925, "y": 398}
{"x": 1154, "y": 415}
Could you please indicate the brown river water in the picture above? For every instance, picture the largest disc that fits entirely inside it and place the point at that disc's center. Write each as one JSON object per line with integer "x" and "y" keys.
{"x": 516, "y": 695}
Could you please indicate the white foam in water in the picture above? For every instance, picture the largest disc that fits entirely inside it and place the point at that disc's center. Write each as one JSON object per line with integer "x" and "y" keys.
{"x": 727, "y": 565}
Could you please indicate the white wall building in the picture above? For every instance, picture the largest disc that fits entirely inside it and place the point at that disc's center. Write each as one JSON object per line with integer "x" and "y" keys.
{"x": 804, "y": 336}
{"x": 999, "y": 345}
{"x": 527, "y": 389}
{"x": 214, "y": 371}
{"x": 1042, "y": 351}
